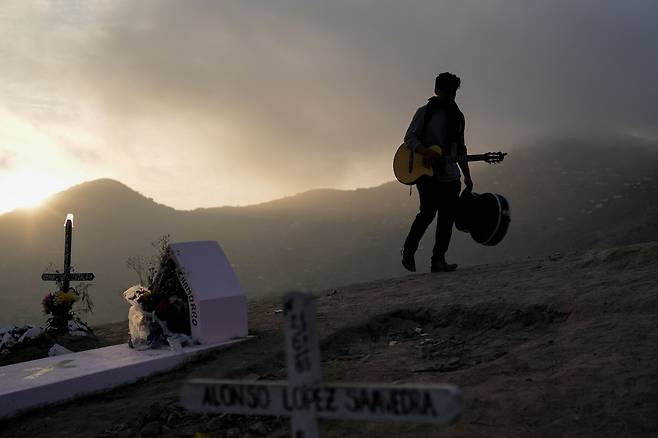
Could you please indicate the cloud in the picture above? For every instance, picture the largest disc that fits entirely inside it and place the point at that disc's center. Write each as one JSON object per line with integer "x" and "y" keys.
{"x": 85, "y": 156}
{"x": 302, "y": 65}
{"x": 5, "y": 161}
{"x": 263, "y": 98}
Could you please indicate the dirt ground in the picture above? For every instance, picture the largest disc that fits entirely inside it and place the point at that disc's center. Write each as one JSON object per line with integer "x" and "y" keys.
{"x": 556, "y": 346}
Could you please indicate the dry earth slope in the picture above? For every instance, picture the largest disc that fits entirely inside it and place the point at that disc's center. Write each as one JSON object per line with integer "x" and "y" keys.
{"x": 555, "y": 346}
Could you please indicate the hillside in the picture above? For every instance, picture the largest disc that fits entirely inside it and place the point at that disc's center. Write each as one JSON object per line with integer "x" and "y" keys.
{"x": 567, "y": 194}
{"x": 548, "y": 346}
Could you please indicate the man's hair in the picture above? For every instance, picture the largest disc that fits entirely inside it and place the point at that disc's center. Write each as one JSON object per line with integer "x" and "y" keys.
{"x": 448, "y": 83}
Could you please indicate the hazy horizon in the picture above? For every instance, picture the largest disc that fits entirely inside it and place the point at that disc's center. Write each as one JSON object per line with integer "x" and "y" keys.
{"x": 563, "y": 198}
{"x": 476, "y": 170}
{"x": 44, "y": 201}
{"x": 237, "y": 103}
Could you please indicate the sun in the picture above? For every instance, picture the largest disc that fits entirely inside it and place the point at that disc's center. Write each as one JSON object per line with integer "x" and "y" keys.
{"x": 26, "y": 188}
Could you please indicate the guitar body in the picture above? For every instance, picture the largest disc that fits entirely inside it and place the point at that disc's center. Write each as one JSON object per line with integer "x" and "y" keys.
{"x": 408, "y": 166}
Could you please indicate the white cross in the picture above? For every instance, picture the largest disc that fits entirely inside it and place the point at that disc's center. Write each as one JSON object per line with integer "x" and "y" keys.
{"x": 65, "y": 278}
{"x": 305, "y": 399}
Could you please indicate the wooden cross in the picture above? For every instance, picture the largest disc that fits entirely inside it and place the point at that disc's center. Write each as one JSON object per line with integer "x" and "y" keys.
{"x": 305, "y": 399}
{"x": 66, "y": 277}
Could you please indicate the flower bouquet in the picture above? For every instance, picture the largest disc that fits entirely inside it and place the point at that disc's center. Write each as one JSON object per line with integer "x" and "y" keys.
{"x": 159, "y": 311}
{"x": 59, "y": 305}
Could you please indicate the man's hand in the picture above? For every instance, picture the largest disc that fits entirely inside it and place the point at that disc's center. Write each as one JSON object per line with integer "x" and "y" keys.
{"x": 468, "y": 182}
{"x": 431, "y": 158}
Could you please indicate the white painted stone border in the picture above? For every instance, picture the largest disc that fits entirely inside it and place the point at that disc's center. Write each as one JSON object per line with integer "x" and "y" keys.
{"x": 28, "y": 385}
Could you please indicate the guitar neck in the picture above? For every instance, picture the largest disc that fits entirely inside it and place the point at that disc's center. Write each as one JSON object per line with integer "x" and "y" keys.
{"x": 464, "y": 158}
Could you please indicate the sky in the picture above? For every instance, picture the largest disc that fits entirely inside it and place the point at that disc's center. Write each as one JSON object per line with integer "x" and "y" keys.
{"x": 209, "y": 103}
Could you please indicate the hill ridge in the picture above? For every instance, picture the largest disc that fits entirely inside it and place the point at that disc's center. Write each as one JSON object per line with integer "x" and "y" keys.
{"x": 330, "y": 237}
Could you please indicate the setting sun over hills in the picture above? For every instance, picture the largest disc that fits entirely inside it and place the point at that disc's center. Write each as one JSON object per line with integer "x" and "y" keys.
{"x": 564, "y": 195}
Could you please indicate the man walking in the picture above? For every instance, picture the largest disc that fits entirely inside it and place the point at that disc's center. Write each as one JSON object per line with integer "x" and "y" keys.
{"x": 439, "y": 122}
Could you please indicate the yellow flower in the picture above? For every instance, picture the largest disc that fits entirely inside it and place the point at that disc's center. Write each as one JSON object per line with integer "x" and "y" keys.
{"x": 65, "y": 297}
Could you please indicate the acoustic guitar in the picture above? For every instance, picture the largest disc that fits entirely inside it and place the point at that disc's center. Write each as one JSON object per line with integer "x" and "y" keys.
{"x": 408, "y": 166}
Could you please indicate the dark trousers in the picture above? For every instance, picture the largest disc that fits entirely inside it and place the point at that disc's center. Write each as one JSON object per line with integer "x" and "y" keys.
{"x": 435, "y": 196}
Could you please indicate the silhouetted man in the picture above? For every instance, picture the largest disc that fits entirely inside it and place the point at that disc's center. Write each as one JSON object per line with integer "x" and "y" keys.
{"x": 439, "y": 122}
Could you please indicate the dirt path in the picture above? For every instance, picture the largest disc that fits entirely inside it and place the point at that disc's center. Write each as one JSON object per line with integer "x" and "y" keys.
{"x": 555, "y": 346}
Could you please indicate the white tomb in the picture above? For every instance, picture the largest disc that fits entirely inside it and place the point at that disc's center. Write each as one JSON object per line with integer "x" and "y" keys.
{"x": 218, "y": 316}
{"x": 218, "y": 307}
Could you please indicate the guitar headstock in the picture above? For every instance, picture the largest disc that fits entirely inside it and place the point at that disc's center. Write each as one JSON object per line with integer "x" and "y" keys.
{"x": 494, "y": 157}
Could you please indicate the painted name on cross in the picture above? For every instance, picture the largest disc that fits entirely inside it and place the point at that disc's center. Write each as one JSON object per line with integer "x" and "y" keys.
{"x": 421, "y": 404}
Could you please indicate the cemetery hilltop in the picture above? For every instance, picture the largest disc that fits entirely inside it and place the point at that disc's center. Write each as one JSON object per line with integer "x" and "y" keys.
{"x": 562, "y": 345}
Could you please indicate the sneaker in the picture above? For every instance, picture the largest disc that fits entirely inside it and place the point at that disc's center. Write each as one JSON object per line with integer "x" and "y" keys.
{"x": 408, "y": 261}
{"x": 443, "y": 267}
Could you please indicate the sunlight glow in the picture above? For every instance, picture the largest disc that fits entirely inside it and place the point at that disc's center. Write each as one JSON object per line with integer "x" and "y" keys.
{"x": 26, "y": 188}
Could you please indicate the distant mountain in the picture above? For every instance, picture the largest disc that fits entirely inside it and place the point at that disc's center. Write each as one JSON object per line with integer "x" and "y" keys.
{"x": 566, "y": 194}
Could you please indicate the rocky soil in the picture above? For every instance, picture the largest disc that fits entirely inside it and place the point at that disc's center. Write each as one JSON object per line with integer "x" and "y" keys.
{"x": 563, "y": 345}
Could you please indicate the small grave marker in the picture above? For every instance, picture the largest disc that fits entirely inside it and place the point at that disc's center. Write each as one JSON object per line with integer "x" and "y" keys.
{"x": 64, "y": 279}
{"x": 304, "y": 398}
{"x": 218, "y": 306}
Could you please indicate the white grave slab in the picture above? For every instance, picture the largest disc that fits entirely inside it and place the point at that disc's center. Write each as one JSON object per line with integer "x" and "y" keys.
{"x": 218, "y": 307}
{"x": 40, "y": 382}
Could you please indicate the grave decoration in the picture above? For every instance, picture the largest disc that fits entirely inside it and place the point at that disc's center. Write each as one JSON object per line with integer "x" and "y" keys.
{"x": 304, "y": 398}
{"x": 59, "y": 304}
{"x": 159, "y": 312}
{"x": 191, "y": 294}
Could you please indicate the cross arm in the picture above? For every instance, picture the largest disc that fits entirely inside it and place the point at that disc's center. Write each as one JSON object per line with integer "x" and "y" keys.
{"x": 77, "y": 276}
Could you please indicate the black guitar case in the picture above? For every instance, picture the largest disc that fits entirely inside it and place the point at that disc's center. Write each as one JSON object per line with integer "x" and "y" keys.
{"x": 485, "y": 216}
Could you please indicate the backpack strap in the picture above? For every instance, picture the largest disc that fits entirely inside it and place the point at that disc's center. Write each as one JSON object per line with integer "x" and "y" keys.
{"x": 430, "y": 108}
